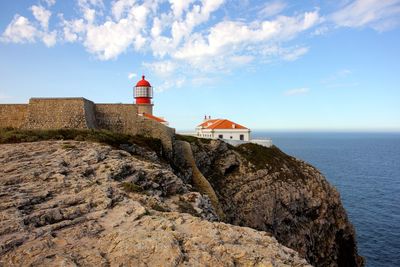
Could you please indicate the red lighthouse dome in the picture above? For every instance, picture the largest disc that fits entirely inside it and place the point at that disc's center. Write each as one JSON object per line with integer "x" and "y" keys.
{"x": 143, "y": 83}
{"x": 143, "y": 92}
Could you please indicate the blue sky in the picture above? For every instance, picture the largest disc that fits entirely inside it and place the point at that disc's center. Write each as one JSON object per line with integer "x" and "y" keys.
{"x": 273, "y": 65}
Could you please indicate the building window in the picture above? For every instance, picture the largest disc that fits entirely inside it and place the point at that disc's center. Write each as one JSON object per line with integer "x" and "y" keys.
{"x": 231, "y": 137}
{"x": 242, "y": 137}
{"x": 220, "y": 136}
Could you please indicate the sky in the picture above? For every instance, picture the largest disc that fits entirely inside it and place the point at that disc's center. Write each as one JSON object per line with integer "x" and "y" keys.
{"x": 331, "y": 65}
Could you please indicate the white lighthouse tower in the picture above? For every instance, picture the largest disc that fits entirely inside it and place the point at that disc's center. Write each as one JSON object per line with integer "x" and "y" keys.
{"x": 143, "y": 95}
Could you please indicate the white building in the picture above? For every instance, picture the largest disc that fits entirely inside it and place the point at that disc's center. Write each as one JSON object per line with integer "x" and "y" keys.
{"x": 222, "y": 129}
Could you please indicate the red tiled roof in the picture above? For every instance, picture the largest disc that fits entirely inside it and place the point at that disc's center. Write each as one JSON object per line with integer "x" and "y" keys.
{"x": 207, "y": 122}
{"x": 221, "y": 124}
{"x": 154, "y": 117}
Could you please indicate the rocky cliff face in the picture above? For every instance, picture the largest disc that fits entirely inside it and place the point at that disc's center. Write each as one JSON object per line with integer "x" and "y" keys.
{"x": 265, "y": 189}
{"x": 69, "y": 203}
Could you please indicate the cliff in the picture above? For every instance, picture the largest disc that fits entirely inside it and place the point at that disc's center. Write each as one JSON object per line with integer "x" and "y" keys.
{"x": 265, "y": 189}
{"x": 70, "y": 203}
{"x": 103, "y": 198}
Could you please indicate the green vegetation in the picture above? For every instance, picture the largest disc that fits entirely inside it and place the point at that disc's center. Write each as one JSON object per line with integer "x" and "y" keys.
{"x": 192, "y": 139}
{"x": 272, "y": 159}
{"x": 261, "y": 156}
{"x": 131, "y": 187}
{"x": 10, "y": 135}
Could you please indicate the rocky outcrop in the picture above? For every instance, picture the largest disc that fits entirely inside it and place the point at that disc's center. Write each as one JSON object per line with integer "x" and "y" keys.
{"x": 70, "y": 203}
{"x": 265, "y": 189}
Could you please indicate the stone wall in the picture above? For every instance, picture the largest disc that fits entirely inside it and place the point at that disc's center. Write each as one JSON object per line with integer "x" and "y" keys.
{"x": 123, "y": 118}
{"x": 80, "y": 113}
{"x": 56, "y": 113}
{"x": 116, "y": 117}
{"x": 13, "y": 115}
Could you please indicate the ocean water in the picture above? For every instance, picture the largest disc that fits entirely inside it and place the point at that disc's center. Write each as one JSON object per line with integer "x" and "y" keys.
{"x": 365, "y": 168}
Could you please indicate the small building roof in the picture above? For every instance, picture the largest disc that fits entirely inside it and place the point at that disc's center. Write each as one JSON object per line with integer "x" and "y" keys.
{"x": 214, "y": 124}
{"x": 147, "y": 115}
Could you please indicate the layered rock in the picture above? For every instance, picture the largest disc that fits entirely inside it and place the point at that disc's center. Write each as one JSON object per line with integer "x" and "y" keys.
{"x": 265, "y": 189}
{"x": 68, "y": 203}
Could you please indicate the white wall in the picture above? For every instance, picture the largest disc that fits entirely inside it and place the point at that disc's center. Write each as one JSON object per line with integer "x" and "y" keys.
{"x": 226, "y": 134}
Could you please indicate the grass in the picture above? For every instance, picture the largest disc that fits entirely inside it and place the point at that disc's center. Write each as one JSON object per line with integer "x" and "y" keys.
{"x": 10, "y": 135}
{"x": 192, "y": 139}
{"x": 271, "y": 158}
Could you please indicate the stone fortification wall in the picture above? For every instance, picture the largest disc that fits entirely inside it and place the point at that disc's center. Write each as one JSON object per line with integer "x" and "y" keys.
{"x": 148, "y": 127}
{"x": 56, "y": 113}
{"x": 13, "y": 115}
{"x": 116, "y": 117}
{"x": 123, "y": 118}
{"x": 80, "y": 113}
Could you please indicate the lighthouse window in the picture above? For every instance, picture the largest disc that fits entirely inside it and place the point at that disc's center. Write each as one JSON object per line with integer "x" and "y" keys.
{"x": 142, "y": 92}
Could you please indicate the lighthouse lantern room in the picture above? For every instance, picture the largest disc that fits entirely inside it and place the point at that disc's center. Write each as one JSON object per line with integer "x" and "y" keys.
{"x": 143, "y": 95}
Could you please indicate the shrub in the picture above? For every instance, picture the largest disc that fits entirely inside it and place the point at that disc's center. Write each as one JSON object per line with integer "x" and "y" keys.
{"x": 10, "y": 135}
{"x": 193, "y": 139}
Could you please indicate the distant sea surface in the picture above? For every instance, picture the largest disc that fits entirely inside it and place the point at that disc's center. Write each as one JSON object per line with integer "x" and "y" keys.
{"x": 365, "y": 168}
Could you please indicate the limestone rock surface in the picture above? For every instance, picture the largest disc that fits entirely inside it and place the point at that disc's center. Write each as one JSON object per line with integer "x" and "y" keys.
{"x": 265, "y": 189}
{"x": 68, "y": 203}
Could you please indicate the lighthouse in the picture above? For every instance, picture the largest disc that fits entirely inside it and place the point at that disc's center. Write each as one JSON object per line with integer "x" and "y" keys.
{"x": 143, "y": 95}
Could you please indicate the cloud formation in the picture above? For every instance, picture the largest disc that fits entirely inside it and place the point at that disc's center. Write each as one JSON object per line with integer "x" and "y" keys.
{"x": 380, "y": 15}
{"x": 191, "y": 35}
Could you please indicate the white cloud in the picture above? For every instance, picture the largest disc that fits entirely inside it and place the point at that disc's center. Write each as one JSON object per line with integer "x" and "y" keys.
{"x": 182, "y": 35}
{"x": 50, "y": 2}
{"x": 162, "y": 68}
{"x": 42, "y": 15}
{"x": 272, "y": 8}
{"x": 121, "y": 7}
{"x": 180, "y": 6}
{"x": 89, "y": 9}
{"x": 132, "y": 75}
{"x": 119, "y": 36}
{"x": 197, "y": 15}
{"x": 379, "y": 14}
{"x": 294, "y": 54}
{"x": 20, "y": 30}
{"x": 297, "y": 91}
{"x": 321, "y": 30}
{"x": 110, "y": 39}
{"x": 228, "y": 39}
{"x": 241, "y": 60}
{"x": 171, "y": 83}
{"x": 49, "y": 38}
{"x": 72, "y": 30}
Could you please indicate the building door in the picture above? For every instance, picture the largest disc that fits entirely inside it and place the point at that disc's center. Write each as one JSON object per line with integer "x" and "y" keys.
{"x": 242, "y": 137}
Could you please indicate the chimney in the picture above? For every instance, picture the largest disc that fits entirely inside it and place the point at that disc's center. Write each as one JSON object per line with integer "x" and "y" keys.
{"x": 205, "y": 117}
{"x": 209, "y": 117}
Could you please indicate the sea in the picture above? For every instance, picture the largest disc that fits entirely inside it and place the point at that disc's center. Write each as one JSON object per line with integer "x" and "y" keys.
{"x": 365, "y": 168}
